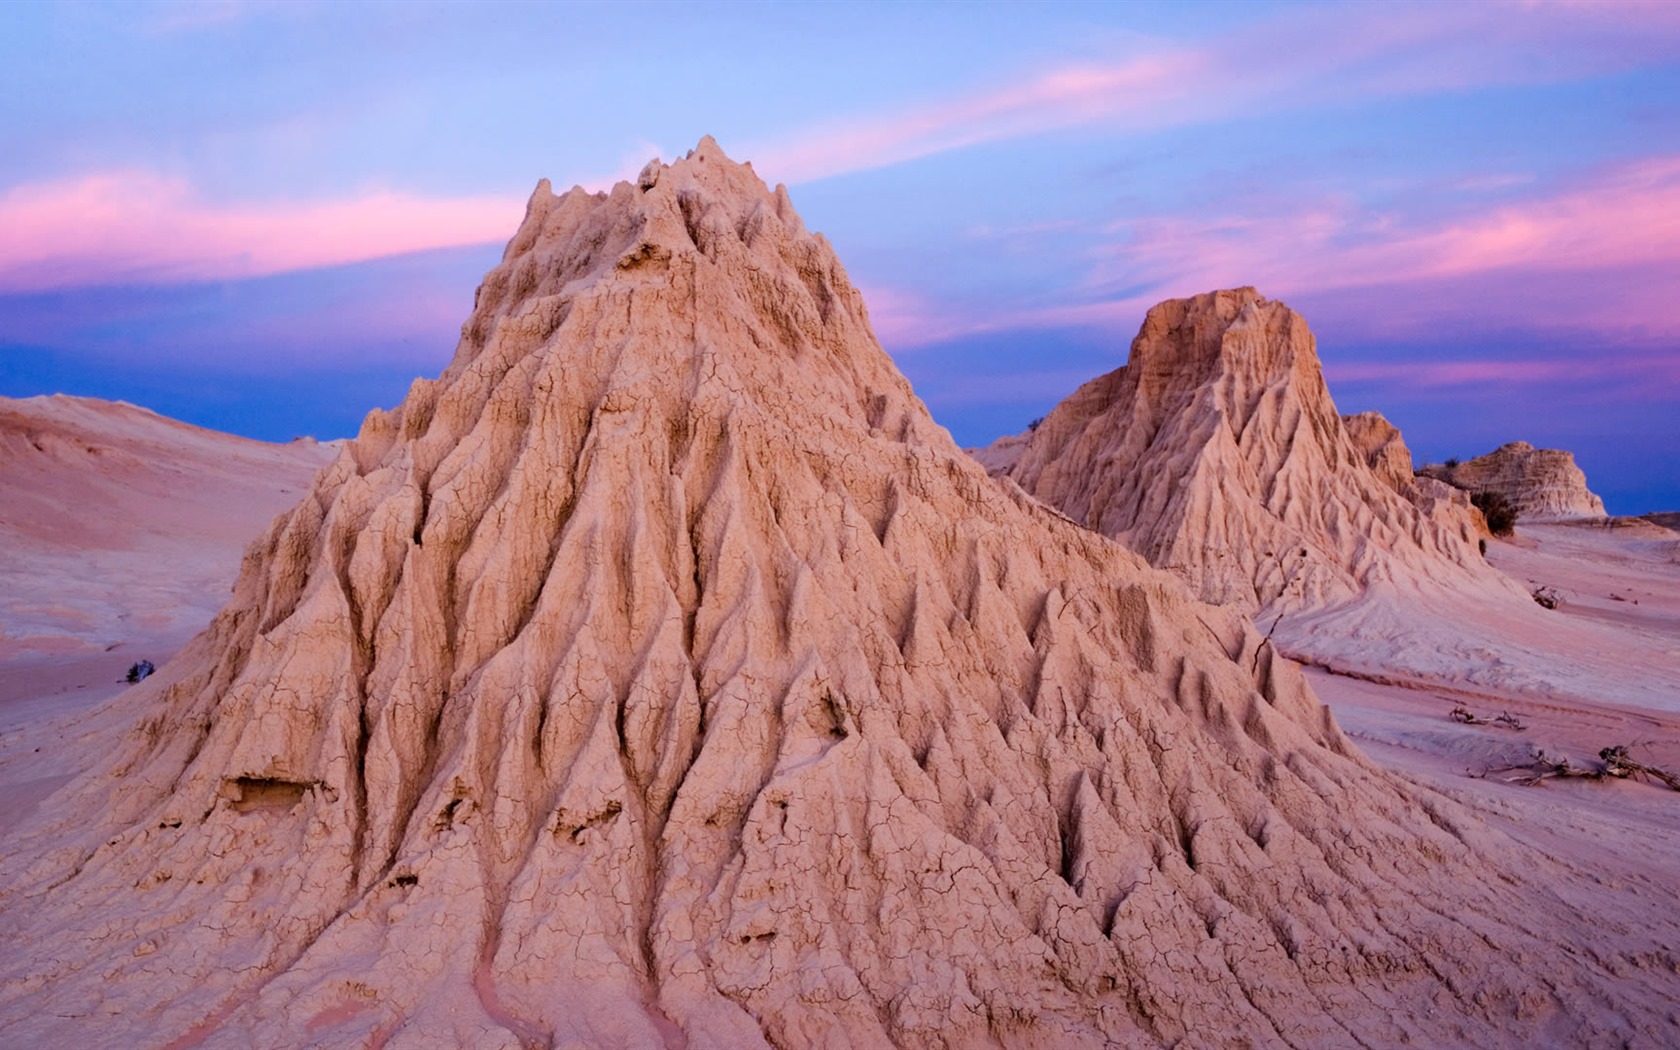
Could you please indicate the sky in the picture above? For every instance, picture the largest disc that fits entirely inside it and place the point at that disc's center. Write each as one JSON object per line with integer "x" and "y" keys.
{"x": 269, "y": 218}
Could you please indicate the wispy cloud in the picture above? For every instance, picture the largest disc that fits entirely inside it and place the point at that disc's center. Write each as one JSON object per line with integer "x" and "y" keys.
{"x": 1302, "y": 59}
{"x": 1635, "y": 377}
{"x": 1137, "y": 87}
{"x": 137, "y": 227}
{"x": 904, "y": 319}
{"x": 1621, "y": 218}
{"x": 186, "y": 16}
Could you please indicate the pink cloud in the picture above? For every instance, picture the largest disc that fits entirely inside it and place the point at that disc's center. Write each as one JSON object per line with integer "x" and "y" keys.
{"x": 1622, "y": 220}
{"x": 904, "y": 319}
{"x": 139, "y": 226}
{"x": 1453, "y": 373}
{"x": 1653, "y": 375}
{"x": 1054, "y": 99}
{"x": 1627, "y": 216}
{"x": 185, "y": 16}
{"x": 1601, "y": 254}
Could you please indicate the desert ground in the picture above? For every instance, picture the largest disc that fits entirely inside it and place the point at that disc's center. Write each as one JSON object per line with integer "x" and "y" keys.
{"x": 1620, "y": 584}
{"x": 120, "y": 536}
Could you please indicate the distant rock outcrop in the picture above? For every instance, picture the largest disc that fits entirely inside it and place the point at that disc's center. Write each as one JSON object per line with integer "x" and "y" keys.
{"x": 1388, "y": 457}
{"x": 1542, "y": 483}
{"x": 1217, "y": 454}
{"x": 662, "y": 675}
{"x": 1384, "y": 450}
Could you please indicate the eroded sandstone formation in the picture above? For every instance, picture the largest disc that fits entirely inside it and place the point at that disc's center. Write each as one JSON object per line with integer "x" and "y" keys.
{"x": 662, "y": 675}
{"x": 1217, "y": 453}
{"x": 1385, "y": 452}
{"x": 1542, "y": 483}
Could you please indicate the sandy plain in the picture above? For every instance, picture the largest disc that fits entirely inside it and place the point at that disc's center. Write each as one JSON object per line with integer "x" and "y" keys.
{"x": 121, "y": 532}
{"x": 1602, "y": 670}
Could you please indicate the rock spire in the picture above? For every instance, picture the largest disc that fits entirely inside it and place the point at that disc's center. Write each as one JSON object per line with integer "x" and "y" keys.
{"x": 1217, "y": 453}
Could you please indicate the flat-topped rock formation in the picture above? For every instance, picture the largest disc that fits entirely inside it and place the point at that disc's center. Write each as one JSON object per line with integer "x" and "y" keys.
{"x": 1544, "y": 484}
{"x": 1217, "y": 454}
{"x": 661, "y": 675}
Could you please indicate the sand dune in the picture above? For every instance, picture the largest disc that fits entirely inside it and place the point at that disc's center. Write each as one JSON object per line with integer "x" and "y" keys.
{"x": 120, "y": 525}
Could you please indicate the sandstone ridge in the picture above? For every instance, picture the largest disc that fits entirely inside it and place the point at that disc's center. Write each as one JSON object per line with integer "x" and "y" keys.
{"x": 662, "y": 675}
{"x": 1388, "y": 457}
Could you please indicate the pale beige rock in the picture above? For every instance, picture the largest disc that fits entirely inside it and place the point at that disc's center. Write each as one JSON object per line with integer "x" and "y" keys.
{"x": 1001, "y": 454}
{"x": 1544, "y": 484}
{"x": 1384, "y": 449}
{"x": 1218, "y": 447}
{"x": 1217, "y": 454}
{"x": 1388, "y": 457}
{"x": 662, "y": 675}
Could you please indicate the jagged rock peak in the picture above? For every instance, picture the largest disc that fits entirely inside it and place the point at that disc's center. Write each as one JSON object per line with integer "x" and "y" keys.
{"x": 1217, "y": 453}
{"x": 1388, "y": 457}
{"x": 702, "y": 206}
{"x": 1384, "y": 449}
{"x": 662, "y": 675}
{"x": 1542, "y": 483}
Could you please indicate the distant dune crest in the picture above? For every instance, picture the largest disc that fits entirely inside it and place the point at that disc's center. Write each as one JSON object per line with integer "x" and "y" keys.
{"x": 108, "y": 509}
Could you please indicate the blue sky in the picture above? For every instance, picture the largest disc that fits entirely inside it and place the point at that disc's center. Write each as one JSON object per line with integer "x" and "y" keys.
{"x": 269, "y": 218}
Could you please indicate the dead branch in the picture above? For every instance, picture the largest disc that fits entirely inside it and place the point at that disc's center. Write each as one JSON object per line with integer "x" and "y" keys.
{"x": 1615, "y": 763}
{"x": 1618, "y": 764}
{"x": 1541, "y": 768}
{"x": 1503, "y": 720}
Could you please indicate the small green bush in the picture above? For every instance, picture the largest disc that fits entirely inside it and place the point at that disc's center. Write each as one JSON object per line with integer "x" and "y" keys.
{"x": 1501, "y": 515}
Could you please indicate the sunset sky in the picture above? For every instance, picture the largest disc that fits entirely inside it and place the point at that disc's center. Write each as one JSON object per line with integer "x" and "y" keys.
{"x": 268, "y": 218}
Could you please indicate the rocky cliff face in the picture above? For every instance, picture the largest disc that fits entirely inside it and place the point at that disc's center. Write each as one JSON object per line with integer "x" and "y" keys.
{"x": 662, "y": 675}
{"x": 1217, "y": 454}
{"x": 1385, "y": 451}
{"x": 1542, "y": 483}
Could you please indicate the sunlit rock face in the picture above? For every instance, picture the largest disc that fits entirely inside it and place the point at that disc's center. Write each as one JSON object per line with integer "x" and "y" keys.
{"x": 662, "y": 675}
{"x": 1544, "y": 484}
{"x": 1217, "y": 454}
